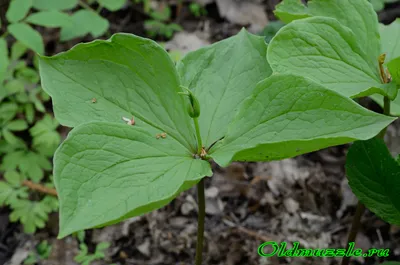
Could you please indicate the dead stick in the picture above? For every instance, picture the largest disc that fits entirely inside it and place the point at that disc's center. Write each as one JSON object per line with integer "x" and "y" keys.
{"x": 39, "y": 187}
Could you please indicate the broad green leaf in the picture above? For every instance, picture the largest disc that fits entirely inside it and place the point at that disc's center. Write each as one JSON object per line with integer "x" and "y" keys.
{"x": 394, "y": 69}
{"x": 3, "y": 59}
{"x": 84, "y": 22}
{"x": 357, "y": 15}
{"x": 289, "y": 10}
{"x": 390, "y": 263}
{"x": 28, "y": 36}
{"x": 390, "y": 39}
{"x": 120, "y": 76}
{"x": 221, "y": 76}
{"x": 112, "y": 5}
{"x": 54, "y": 4}
{"x": 374, "y": 177}
{"x": 18, "y": 9}
{"x": 106, "y": 172}
{"x": 51, "y": 18}
{"x": 322, "y": 49}
{"x": 290, "y": 115}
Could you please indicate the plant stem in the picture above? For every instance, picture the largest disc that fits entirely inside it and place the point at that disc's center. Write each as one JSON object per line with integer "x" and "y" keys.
{"x": 354, "y": 229}
{"x": 360, "y": 207}
{"x": 386, "y": 111}
{"x": 200, "y": 225}
{"x": 198, "y": 136}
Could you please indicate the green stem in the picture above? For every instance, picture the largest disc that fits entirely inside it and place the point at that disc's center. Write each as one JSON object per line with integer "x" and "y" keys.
{"x": 386, "y": 111}
{"x": 200, "y": 225}
{"x": 360, "y": 207}
{"x": 86, "y": 6}
{"x": 198, "y": 136}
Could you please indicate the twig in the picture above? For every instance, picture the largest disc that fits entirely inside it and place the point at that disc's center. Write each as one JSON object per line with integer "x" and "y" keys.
{"x": 40, "y": 188}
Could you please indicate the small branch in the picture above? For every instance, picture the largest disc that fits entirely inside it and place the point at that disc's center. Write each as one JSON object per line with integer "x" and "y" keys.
{"x": 40, "y": 188}
{"x": 200, "y": 225}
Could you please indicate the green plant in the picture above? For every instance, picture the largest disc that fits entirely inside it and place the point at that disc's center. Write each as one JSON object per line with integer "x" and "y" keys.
{"x": 339, "y": 46}
{"x": 84, "y": 257}
{"x": 197, "y": 10}
{"x": 141, "y": 142}
{"x": 55, "y": 14}
{"x": 42, "y": 252}
{"x": 159, "y": 23}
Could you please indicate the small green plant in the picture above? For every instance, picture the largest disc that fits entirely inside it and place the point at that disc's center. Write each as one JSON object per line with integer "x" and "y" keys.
{"x": 84, "y": 257}
{"x": 197, "y": 10}
{"x": 42, "y": 252}
{"x": 159, "y": 23}
{"x": 22, "y": 14}
{"x": 145, "y": 130}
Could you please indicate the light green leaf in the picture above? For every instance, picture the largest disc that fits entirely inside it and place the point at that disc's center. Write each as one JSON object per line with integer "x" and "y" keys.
{"x": 29, "y": 163}
{"x": 84, "y": 22}
{"x": 18, "y": 9}
{"x": 120, "y": 76}
{"x": 112, "y": 5}
{"x": 390, "y": 39}
{"x": 54, "y": 4}
{"x": 8, "y": 111}
{"x": 11, "y": 190}
{"x": 377, "y": 4}
{"x": 102, "y": 174}
{"x": 374, "y": 177}
{"x": 17, "y": 50}
{"x": 289, "y": 10}
{"x": 44, "y": 133}
{"x": 360, "y": 17}
{"x": 394, "y": 69}
{"x": 9, "y": 136}
{"x": 322, "y": 49}
{"x": 221, "y": 76}
{"x": 357, "y": 15}
{"x": 290, "y": 115}
{"x": 28, "y": 36}
{"x": 17, "y": 125}
{"x": 51, "y": 18}
{"x": 3, "y": 59}
{"x": 31, "y": 214}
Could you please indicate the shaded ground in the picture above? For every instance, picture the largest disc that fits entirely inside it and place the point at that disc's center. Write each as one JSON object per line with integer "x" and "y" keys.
{"x": 304, "y": 199}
